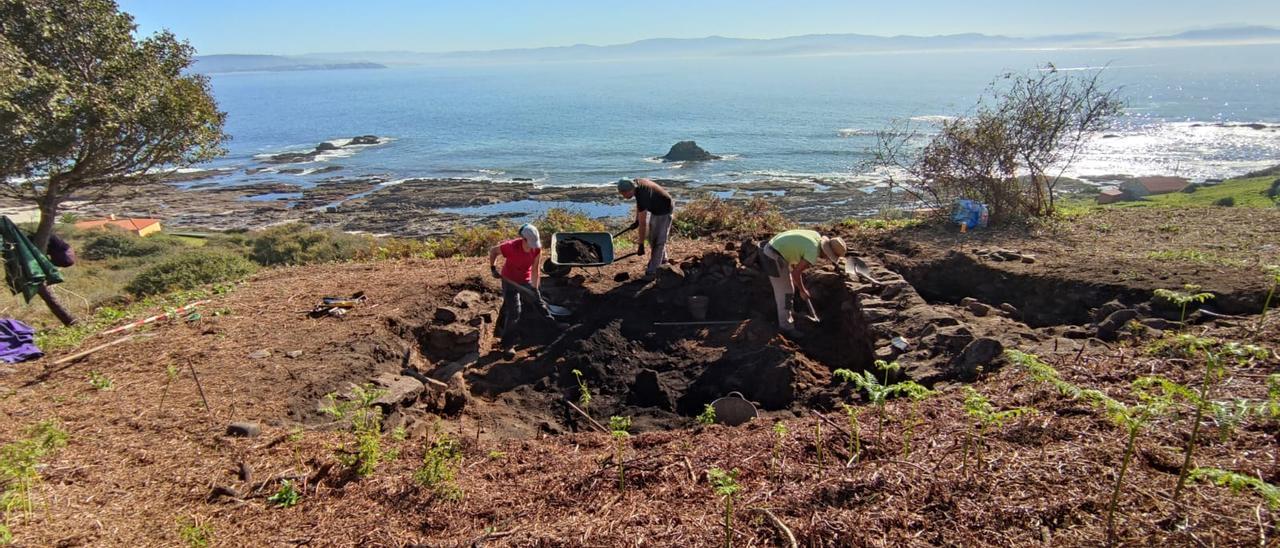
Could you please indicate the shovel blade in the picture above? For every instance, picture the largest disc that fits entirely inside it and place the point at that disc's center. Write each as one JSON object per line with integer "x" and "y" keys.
{"x": 856, "y": 267}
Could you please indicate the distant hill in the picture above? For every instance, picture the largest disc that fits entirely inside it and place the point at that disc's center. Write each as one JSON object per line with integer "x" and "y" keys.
{"x": 1230, "y": 34}
{"x": 213, "y": 64}
{"x": 815, "y": 44}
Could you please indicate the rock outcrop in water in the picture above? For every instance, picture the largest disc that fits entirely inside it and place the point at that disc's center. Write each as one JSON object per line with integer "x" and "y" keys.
{"x": 301, "y": 157}
{"x": 688, "y": 151}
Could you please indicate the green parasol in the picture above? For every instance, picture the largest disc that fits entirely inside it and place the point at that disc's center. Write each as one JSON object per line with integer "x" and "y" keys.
{"x": 26, "y": 268}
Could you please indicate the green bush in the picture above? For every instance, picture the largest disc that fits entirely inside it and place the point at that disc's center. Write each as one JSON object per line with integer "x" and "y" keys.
{"x": 295, "y": 244}
{"x": 566, "y": 220}
{"x": 475, "y": 241}
{"x": 190, "y": 270}
{"x": 115, "y": 244}
{"x": 709, "y": 215}
{"x": 404, "y": 248}
{"x": 1274, "y": 191}
{"x": 1226, "y": 202}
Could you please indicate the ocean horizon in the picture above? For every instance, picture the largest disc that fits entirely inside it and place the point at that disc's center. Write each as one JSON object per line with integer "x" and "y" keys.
{"x": 1192, "y": 112}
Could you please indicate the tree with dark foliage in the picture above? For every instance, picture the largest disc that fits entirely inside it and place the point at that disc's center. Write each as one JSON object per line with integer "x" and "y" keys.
{"x": 87, "y": 110}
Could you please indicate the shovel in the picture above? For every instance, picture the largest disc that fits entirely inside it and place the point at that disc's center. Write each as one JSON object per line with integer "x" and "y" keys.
{"x": 856, "y": 267}
{"x": 813, "y": 314}
{"x": 555, "y": 310}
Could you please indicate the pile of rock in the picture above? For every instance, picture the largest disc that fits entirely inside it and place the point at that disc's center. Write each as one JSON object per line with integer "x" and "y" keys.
{"x": 456, "y": 330}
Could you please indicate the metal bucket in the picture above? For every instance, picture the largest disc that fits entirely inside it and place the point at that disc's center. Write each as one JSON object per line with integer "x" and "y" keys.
{"x": 733, "y": 409}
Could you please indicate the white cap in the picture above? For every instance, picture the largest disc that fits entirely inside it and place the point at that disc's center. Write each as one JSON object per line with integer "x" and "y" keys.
{"x": 530, "y": 235}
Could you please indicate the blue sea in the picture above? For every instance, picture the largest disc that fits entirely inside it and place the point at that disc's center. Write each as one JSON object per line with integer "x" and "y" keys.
{"x": 799, "y": 118}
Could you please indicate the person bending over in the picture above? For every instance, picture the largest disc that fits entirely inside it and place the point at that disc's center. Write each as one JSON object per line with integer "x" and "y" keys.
{"x": 521, "y": 277}
{"x": 785, "y": 258}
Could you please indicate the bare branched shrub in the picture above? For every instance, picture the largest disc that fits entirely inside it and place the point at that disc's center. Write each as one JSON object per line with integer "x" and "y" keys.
{"x": 1012, "y": 151}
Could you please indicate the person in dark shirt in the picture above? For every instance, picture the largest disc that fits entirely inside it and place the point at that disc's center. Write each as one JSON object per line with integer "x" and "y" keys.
{"x": 654, "y": 207}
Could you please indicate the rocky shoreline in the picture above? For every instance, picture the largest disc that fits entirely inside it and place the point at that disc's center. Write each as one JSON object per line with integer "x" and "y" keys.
{"x": 200, "y": 200}
{"x": 424, "y": 207}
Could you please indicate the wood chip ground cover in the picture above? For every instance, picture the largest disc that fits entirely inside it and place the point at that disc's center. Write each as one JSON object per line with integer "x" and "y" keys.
{"x": 134, "y": 468}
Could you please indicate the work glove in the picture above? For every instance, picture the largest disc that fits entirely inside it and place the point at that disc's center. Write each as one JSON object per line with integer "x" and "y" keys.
{"x": 494, "y": 271}
{"x": 640, "y": 249}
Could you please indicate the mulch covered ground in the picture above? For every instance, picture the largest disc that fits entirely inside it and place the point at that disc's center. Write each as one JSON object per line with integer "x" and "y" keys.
{"x": 147, "y": 454}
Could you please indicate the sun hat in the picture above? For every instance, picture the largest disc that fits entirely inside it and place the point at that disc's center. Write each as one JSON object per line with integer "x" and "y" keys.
{"x": 626, "y": 185}
{"x": 530, "y": 235}
{"x": 833, "y": 249}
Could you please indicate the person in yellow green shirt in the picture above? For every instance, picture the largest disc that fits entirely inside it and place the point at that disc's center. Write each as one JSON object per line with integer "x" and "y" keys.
{"x": 785, "y": 258}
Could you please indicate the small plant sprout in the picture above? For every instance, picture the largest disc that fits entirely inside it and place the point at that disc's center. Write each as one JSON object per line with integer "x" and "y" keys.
{"x": 439, "y": 469}
{"x": 170, "y": 375}
{"x": 887, "y": 367}
{"x": 1240, "y": 482}
{"x": 1214, "y": 370}
{"x": 1190, "y": 294}
{"x": 1273, "y": 274}
{"x": 1272, "y": 407}
{"x": 726, "y": 487}
{"x": 1230, "y": 415}
{"x": 855, "y": 431}
{"x": 985, "y": 416}
{"x": 708, "y": 416}
{"x": 366, "y": 424}
{"x": 286, "y": 496}
{"x": 194, "y": 533}
{"x": 584, "y": 393}
{"x": 916, "y": 393}
{"x": 817, "y": 445}
{"x": 99, "y": 381}
{"x": 618, "y": 428}
{"x": 878, "y": 394}
{"x": 1132, "y": 418}
{"x": 779, "y": 437}
{"x": 19, "y": 465}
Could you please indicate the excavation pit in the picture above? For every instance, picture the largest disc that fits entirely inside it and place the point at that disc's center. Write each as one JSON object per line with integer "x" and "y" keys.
{"x": 640, "y": 353}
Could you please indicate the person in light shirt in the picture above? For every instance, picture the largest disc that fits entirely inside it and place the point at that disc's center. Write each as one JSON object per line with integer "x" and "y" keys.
{"x": 785, "y": 258}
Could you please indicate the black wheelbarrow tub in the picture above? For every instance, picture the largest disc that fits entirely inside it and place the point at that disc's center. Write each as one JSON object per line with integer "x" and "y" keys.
{"x": 603, "y": 240}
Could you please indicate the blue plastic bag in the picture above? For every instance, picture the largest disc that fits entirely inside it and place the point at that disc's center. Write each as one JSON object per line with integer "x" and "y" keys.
{"x": 969, "y": 214}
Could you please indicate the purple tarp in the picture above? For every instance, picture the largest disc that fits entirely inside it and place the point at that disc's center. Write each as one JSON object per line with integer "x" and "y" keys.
{"x": 17, "y": 342}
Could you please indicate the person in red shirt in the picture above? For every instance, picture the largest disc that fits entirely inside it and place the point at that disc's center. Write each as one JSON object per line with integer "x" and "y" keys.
{"x": 521, "y": 277}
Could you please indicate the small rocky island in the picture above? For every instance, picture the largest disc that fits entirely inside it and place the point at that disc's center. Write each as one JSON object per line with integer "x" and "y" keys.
{"x": 688, "y": 151}
{"x": 301, "y": 157}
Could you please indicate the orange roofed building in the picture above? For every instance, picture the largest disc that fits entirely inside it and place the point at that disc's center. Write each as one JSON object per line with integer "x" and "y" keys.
{"x": 1151, "y": 186}
{"x": 139, "y": 227}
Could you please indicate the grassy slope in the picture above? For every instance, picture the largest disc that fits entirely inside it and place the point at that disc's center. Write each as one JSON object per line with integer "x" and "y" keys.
{"x": 87, "y": 285}
{"x": 1246, "y": 192}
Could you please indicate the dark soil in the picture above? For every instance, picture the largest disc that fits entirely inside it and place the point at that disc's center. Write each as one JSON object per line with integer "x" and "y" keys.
{"x": 578, "y": 251}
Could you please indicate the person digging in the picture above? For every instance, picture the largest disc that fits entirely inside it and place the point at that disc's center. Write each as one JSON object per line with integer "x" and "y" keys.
{"x": 521, "y": 277}
{"x": 785, "y": 258}
{"x": 654, "y": 207}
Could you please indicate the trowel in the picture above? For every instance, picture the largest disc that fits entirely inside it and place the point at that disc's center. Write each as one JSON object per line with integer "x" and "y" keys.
{"x": 856, "y": 267}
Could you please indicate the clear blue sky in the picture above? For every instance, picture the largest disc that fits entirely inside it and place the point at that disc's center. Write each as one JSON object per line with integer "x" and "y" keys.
{"x": 297, "y": 26}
